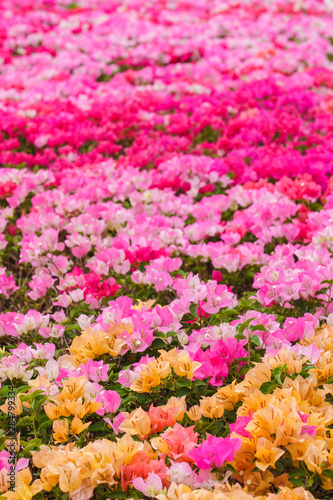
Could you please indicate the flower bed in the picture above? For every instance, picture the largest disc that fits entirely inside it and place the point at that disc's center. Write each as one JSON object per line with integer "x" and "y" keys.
{"x": 166, "y": 239}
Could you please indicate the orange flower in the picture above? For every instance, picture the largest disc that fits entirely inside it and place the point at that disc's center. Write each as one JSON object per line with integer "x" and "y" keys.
{"x": 54, "y": 411}
{"x": 267, "y": 454}
{"x": 73, "y": 389}
{"x": 18, "y": 406}
{"x": 160, "y": 418}
{"x": 146, "y": 382}
{"x": 265, "y": 422}
{"x": 77, "y": 426}
{"x": 297, "y": 448}
{"x": 289, "y": 430}
{"x": 60, "y": 428}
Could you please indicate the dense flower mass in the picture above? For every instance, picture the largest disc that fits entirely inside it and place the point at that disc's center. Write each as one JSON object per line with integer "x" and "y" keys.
{"x": 166, "y": 249}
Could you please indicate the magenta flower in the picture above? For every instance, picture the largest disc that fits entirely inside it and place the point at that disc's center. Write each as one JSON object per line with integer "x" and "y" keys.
{"x": 214, "y": 452}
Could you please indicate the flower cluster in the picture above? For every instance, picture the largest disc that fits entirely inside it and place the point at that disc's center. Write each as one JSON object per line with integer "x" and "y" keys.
{"x": 166, "y": 269}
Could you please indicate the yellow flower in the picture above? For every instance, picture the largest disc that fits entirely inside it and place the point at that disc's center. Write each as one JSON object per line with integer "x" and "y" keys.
{"x": 267, "y": 454}
{"x": 179, "y": 403}
{"x": 170, "y": 356}
{"x": 137, "y": 424}
{"x": 227, "y": 396}
{"x": 127, "y": 448}
{"x": 103, "y": 475}
{"x": 80, "y": 409}
{"x": 210, "y": 407}
{"x": 292, "y": 360}
{"x": 185, "y": 367}
{"x": 23, "y": 489}
{"x": 289, "y": 431}
{"x": 69, "y": 477}
{"x": 194, "y": 413}
{"x": 254, "y": 379}
{"x": 140, "y": 305}
{"x": 315, "y": 455}
{"x": 40, "y": 381}
{"x": 146, "y": 382}
{"x": 158, "y": 443}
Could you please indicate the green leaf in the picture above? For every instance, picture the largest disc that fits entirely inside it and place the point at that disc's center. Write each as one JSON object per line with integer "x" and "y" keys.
{"x": 171, "y": 334}
{"x": 183, "y": 391}
{"x": 216, "y": 427}
{"x": 230, "y": 467}
{"x": 297, "y": 473}
{"x": 36, "y": 393}
{"x": 116, "y": 494}
{"x": 198, "y": 383}
{"x": 98, "y": 426}
{"x": 280, "y": 466}
{"x": 328, "y": 473}
{"x": 29, "y": 448}
{"x": 44, "y": 425}
{"x": 193, "y": 309}
{"x": 24, "y": 422}
{"x": 277, "y": 372}
{"x": 157, "y": 344}
{"x": 256, "y": 340}
{"x": 268, "y": 387}
{"x": 258, "y": 328}
{"x": 37, "y": 403}
{"x": 296, "y": 482}
{"x": 242, "y": 327}
{"x": 184, "y": 382}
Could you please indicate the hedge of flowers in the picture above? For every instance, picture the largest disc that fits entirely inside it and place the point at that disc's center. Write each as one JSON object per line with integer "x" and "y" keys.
{"x": 166, "y": 238}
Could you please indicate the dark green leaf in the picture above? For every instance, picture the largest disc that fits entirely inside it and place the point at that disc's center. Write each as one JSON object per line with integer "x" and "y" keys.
{"x": 183, "y": 391}
{"x": 328, "y": 473}
{"x": 268, "y": 387}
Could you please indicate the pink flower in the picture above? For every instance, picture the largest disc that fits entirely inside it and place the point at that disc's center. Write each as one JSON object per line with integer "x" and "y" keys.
{"x": 96, "y": 371}
{"x": 110, "y": 400}
{"x": 214, "y": 452}
{"x": 239, "y": 427}
{"x": 151, "y": 487}
{"x": 116, "y": 422}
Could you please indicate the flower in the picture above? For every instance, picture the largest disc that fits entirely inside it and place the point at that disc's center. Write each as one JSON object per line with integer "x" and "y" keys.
{"x": 214, "y": 452}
